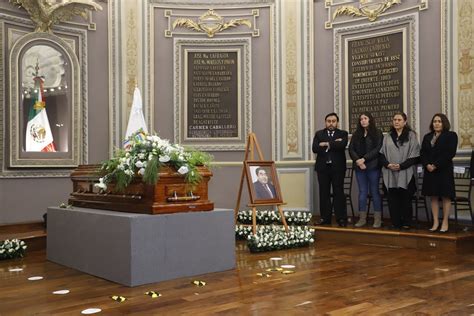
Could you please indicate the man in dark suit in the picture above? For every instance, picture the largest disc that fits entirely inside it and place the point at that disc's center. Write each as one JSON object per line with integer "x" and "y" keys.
{"x": 330, "y": 144}
{"x": 263, "y": 189}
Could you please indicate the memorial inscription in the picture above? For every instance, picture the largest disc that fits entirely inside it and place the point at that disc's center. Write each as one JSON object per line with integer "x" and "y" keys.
{"x": 213, "y": 90}
{"x": 375, "y": 78}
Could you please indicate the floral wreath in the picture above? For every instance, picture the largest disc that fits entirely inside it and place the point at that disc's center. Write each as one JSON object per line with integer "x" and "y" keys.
{"x": 144, "y": 155}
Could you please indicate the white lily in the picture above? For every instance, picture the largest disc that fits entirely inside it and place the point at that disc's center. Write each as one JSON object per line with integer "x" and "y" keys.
{"x": 101, "y": 184}
{"x": 164, "y": 158}
{"x": 183, "y": 170}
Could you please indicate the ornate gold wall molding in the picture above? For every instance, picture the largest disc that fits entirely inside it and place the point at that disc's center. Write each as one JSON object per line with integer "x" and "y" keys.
{"x": 210, "y": 23}
{"x": 291, "y": 121}
{"x": 295, "y": 115}
{"x": 132, "y": 58}
{"x": 457, "y": 76}
{"x": 45, "y": 14}
{"x": 369, "y": 10}
{"x": 125, "y": 64}
{"x": 465, "y": 48}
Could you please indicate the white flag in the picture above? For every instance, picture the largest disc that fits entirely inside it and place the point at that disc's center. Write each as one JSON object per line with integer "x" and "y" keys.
{"x": 38, "y": 132}
{"x": 136, "y": 121}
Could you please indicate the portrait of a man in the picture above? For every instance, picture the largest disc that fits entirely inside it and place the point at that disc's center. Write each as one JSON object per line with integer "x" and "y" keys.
{"x": 264, "y": 188}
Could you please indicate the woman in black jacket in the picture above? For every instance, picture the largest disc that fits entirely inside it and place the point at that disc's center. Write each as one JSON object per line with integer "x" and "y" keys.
{"x": 437, "y": 152}
{"x": 364, "y": 150}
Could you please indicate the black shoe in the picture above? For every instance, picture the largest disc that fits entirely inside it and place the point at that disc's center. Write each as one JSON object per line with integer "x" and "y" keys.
{"x": 443, "y": 231}
{"x": 406, "y": 227}
{"x": 342, "y": 223}
{"x": 434, "y": 229}
{"x": 395, "y": 227}
{"x": 323, "y": 222}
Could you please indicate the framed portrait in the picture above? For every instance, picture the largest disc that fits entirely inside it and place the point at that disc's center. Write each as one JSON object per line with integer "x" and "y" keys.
{"x": 262, "y": 181}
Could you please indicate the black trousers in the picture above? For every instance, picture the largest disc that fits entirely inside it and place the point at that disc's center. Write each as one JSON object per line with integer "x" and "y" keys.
{"x": 327, "y": 178}
{"x": 399, "y": 204}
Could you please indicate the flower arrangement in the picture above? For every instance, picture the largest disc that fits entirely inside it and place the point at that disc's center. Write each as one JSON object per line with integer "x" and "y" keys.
{"x": 275, "y": 238}
{"x": 266, "y": 217}
{"x": 144, "y": 155}
{"x": 14, "y": 248}
{"x": 270, "y": 234}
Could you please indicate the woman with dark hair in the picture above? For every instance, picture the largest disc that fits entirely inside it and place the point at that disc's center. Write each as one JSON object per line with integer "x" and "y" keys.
{"x": 364, "y": 150}
{"x": 399, "y": 154}
{"x": 437, "y": 152}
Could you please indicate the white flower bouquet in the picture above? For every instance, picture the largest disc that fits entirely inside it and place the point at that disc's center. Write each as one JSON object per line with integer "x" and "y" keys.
{"x": 145, "y": 155}
{"x": 266, "y": 217}
{"x": 13, "y": 248}
{"x": 273, "y": 237}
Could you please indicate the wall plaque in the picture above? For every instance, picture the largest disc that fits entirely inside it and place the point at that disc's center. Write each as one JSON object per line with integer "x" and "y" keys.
{"x": 375, "y": 78}
{"x": 212, "y": 98}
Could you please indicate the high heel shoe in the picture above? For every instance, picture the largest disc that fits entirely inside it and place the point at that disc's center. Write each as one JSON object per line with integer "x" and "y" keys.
{"x": 443, "y": 231}
{"x": 434, "y": 229}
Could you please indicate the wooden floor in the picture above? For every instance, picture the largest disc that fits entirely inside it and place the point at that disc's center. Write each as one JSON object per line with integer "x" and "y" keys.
{"x": 330, "y": 278}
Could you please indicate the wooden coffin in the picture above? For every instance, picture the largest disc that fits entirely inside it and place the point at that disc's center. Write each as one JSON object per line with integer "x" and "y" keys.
{"x": 170, "y": 195}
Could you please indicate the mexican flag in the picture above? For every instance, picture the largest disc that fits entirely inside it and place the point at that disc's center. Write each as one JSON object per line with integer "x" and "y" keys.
{"x": 38, "y": 132}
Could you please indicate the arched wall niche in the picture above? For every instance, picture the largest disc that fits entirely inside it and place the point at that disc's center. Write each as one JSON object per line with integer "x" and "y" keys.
{"x": 47, "y": 63}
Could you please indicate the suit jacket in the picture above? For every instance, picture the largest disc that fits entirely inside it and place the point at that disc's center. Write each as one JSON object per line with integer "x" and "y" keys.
{"x": 262, "y": 193}
{"x": 337, "y": 149}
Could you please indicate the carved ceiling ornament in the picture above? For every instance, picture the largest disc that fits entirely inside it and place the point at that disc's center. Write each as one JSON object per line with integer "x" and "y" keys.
{"x": 46, "y": 13}
{"x": 371, "y": 9}
{"x": 210, "y": 23}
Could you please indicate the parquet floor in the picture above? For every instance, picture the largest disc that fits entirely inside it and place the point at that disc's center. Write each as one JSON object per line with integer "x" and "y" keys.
{"x": 330, "y": 278}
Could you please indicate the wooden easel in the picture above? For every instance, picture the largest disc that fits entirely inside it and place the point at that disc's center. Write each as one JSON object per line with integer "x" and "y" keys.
{"x": 249, "y": 153}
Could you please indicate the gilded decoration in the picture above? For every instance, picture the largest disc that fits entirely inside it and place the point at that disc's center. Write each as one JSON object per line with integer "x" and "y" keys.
{"x": 291, "y": 67}
{"x": 371, "y": 9}
{"x": 465, "y": 74}
{"x": 131, "y": 57}
{"x": 46, "y": 13}
{"x": 367, "y": 9}
{"x": 210, "y": 23}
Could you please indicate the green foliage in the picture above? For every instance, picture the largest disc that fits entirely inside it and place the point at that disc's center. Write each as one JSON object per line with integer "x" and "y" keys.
{"x": 145, "y": 155}
{"x": 152, "y": 171}
{"x": 13, "y": 248}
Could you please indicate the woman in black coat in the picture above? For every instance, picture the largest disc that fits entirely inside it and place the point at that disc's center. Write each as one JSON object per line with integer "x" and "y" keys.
{"x": 437, "y": 152}
{"x": 364, "y": 150}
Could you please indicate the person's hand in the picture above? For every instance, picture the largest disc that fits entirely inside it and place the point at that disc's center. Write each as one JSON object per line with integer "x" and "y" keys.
{"x": 393, "y": 166}
{"x": 362, "y": 166}
{"x": 360, "y": 162}
{"x": 338, "y": 140}
{"x": 430, "y": 167}
{"x": 323, "y": 144}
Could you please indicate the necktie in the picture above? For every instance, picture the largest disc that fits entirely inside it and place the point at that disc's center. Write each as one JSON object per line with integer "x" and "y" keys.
{"x": 328, "y": 159}
{"x": 269, "y": 191}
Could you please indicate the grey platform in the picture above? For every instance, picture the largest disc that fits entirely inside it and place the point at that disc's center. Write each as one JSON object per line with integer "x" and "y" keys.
{"x": 135, "y": 249}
